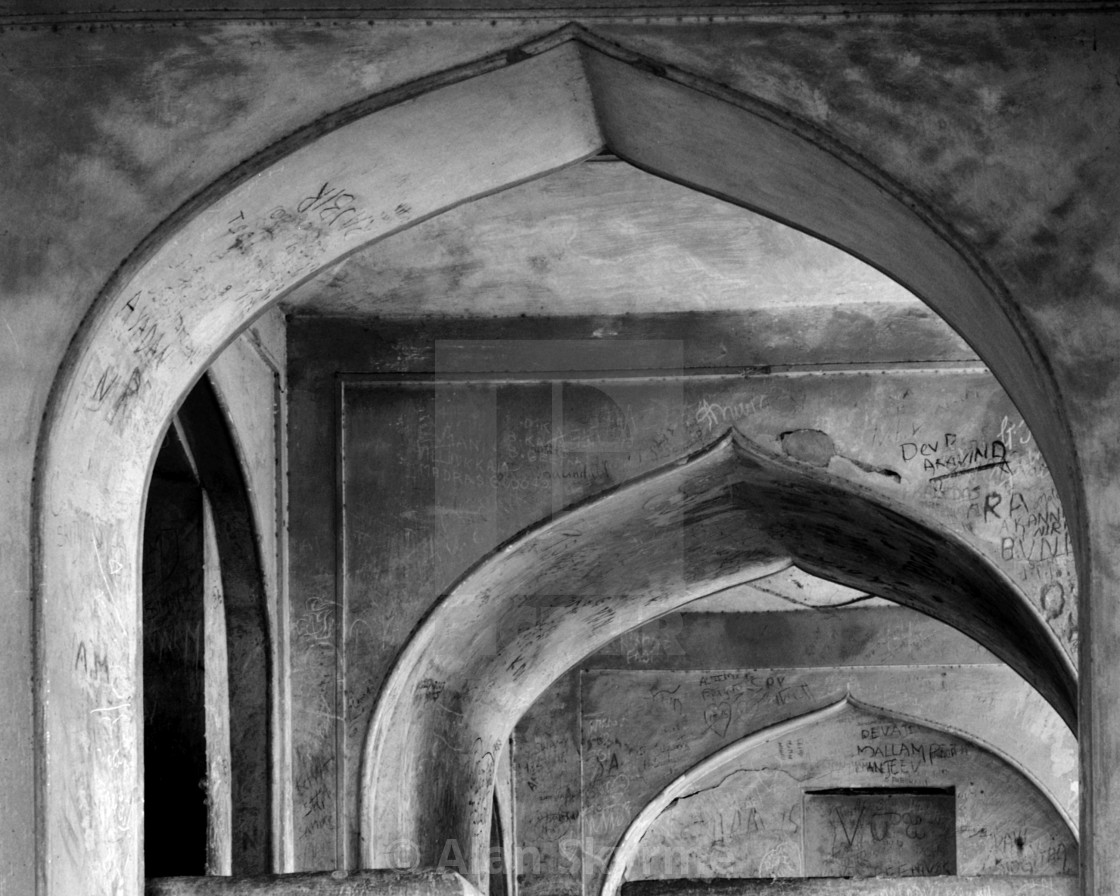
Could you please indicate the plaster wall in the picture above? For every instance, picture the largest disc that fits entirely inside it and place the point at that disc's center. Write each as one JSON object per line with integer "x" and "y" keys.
{"x": 249, "y": 378}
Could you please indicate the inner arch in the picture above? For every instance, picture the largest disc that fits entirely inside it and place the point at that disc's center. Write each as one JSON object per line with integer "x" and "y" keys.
{"x": 954, "y": 721}
{"x": 728, "y": 514}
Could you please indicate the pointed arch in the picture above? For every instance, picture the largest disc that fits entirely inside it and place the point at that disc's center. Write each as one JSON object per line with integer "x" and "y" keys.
{"x": 188, "y": 291}
{"x": 628, "y": 845}
{"x": 725, "y": 515}
{"x": 352, "y": 178}
{"x": 956, "y": 724}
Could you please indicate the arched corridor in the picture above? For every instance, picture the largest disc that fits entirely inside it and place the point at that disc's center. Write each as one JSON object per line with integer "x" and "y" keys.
{"x": 475, "y": 467}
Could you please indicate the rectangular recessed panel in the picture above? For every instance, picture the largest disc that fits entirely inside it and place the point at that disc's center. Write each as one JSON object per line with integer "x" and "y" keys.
{"x": 880, "y": 832}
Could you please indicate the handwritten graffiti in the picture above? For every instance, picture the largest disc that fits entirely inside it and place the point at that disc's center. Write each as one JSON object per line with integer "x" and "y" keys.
{"x": 904, "y": 757}
{"x": 337, "y": 207}
{"x": 92, "y": 661}
{"x": 315, "y": 627}
{"x": 947, "y": 457}
{"x": 713, "y": 414}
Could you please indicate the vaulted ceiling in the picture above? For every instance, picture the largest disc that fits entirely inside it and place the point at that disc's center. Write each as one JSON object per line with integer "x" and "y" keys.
{"x": 605, "y": 240}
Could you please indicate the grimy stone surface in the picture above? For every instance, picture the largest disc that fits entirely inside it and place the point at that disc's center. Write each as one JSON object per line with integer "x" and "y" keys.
{"x": 539, "y": 248}
{"x": 984, "y": 179}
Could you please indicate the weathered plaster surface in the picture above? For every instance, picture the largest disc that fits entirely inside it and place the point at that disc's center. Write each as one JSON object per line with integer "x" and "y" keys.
{"x": 873, "y": 886}
{"x": 423, "y": 882}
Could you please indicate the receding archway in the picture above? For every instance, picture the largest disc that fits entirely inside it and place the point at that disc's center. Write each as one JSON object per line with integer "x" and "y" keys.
{"x": 726, "y": 515}
{"x": 348, "y": 180}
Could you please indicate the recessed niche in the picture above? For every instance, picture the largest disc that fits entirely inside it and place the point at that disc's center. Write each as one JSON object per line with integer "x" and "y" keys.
{"x": 880, "y": 832}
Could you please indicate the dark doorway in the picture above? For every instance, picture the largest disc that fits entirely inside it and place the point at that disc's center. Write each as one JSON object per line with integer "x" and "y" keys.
{"x": 175, "y": 826}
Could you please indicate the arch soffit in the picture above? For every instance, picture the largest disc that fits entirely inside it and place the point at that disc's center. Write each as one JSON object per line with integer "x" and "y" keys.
{"x": 686, "y": 783}
{"x": 350, "y": 179}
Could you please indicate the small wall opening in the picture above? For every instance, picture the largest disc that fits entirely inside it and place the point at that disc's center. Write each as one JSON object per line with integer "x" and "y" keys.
{"x": 880, "y": 832}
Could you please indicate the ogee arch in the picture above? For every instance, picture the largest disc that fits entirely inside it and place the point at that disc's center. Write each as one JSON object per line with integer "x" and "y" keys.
{"x": 725, "y": 515}
{"x": 953, "y": 720}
